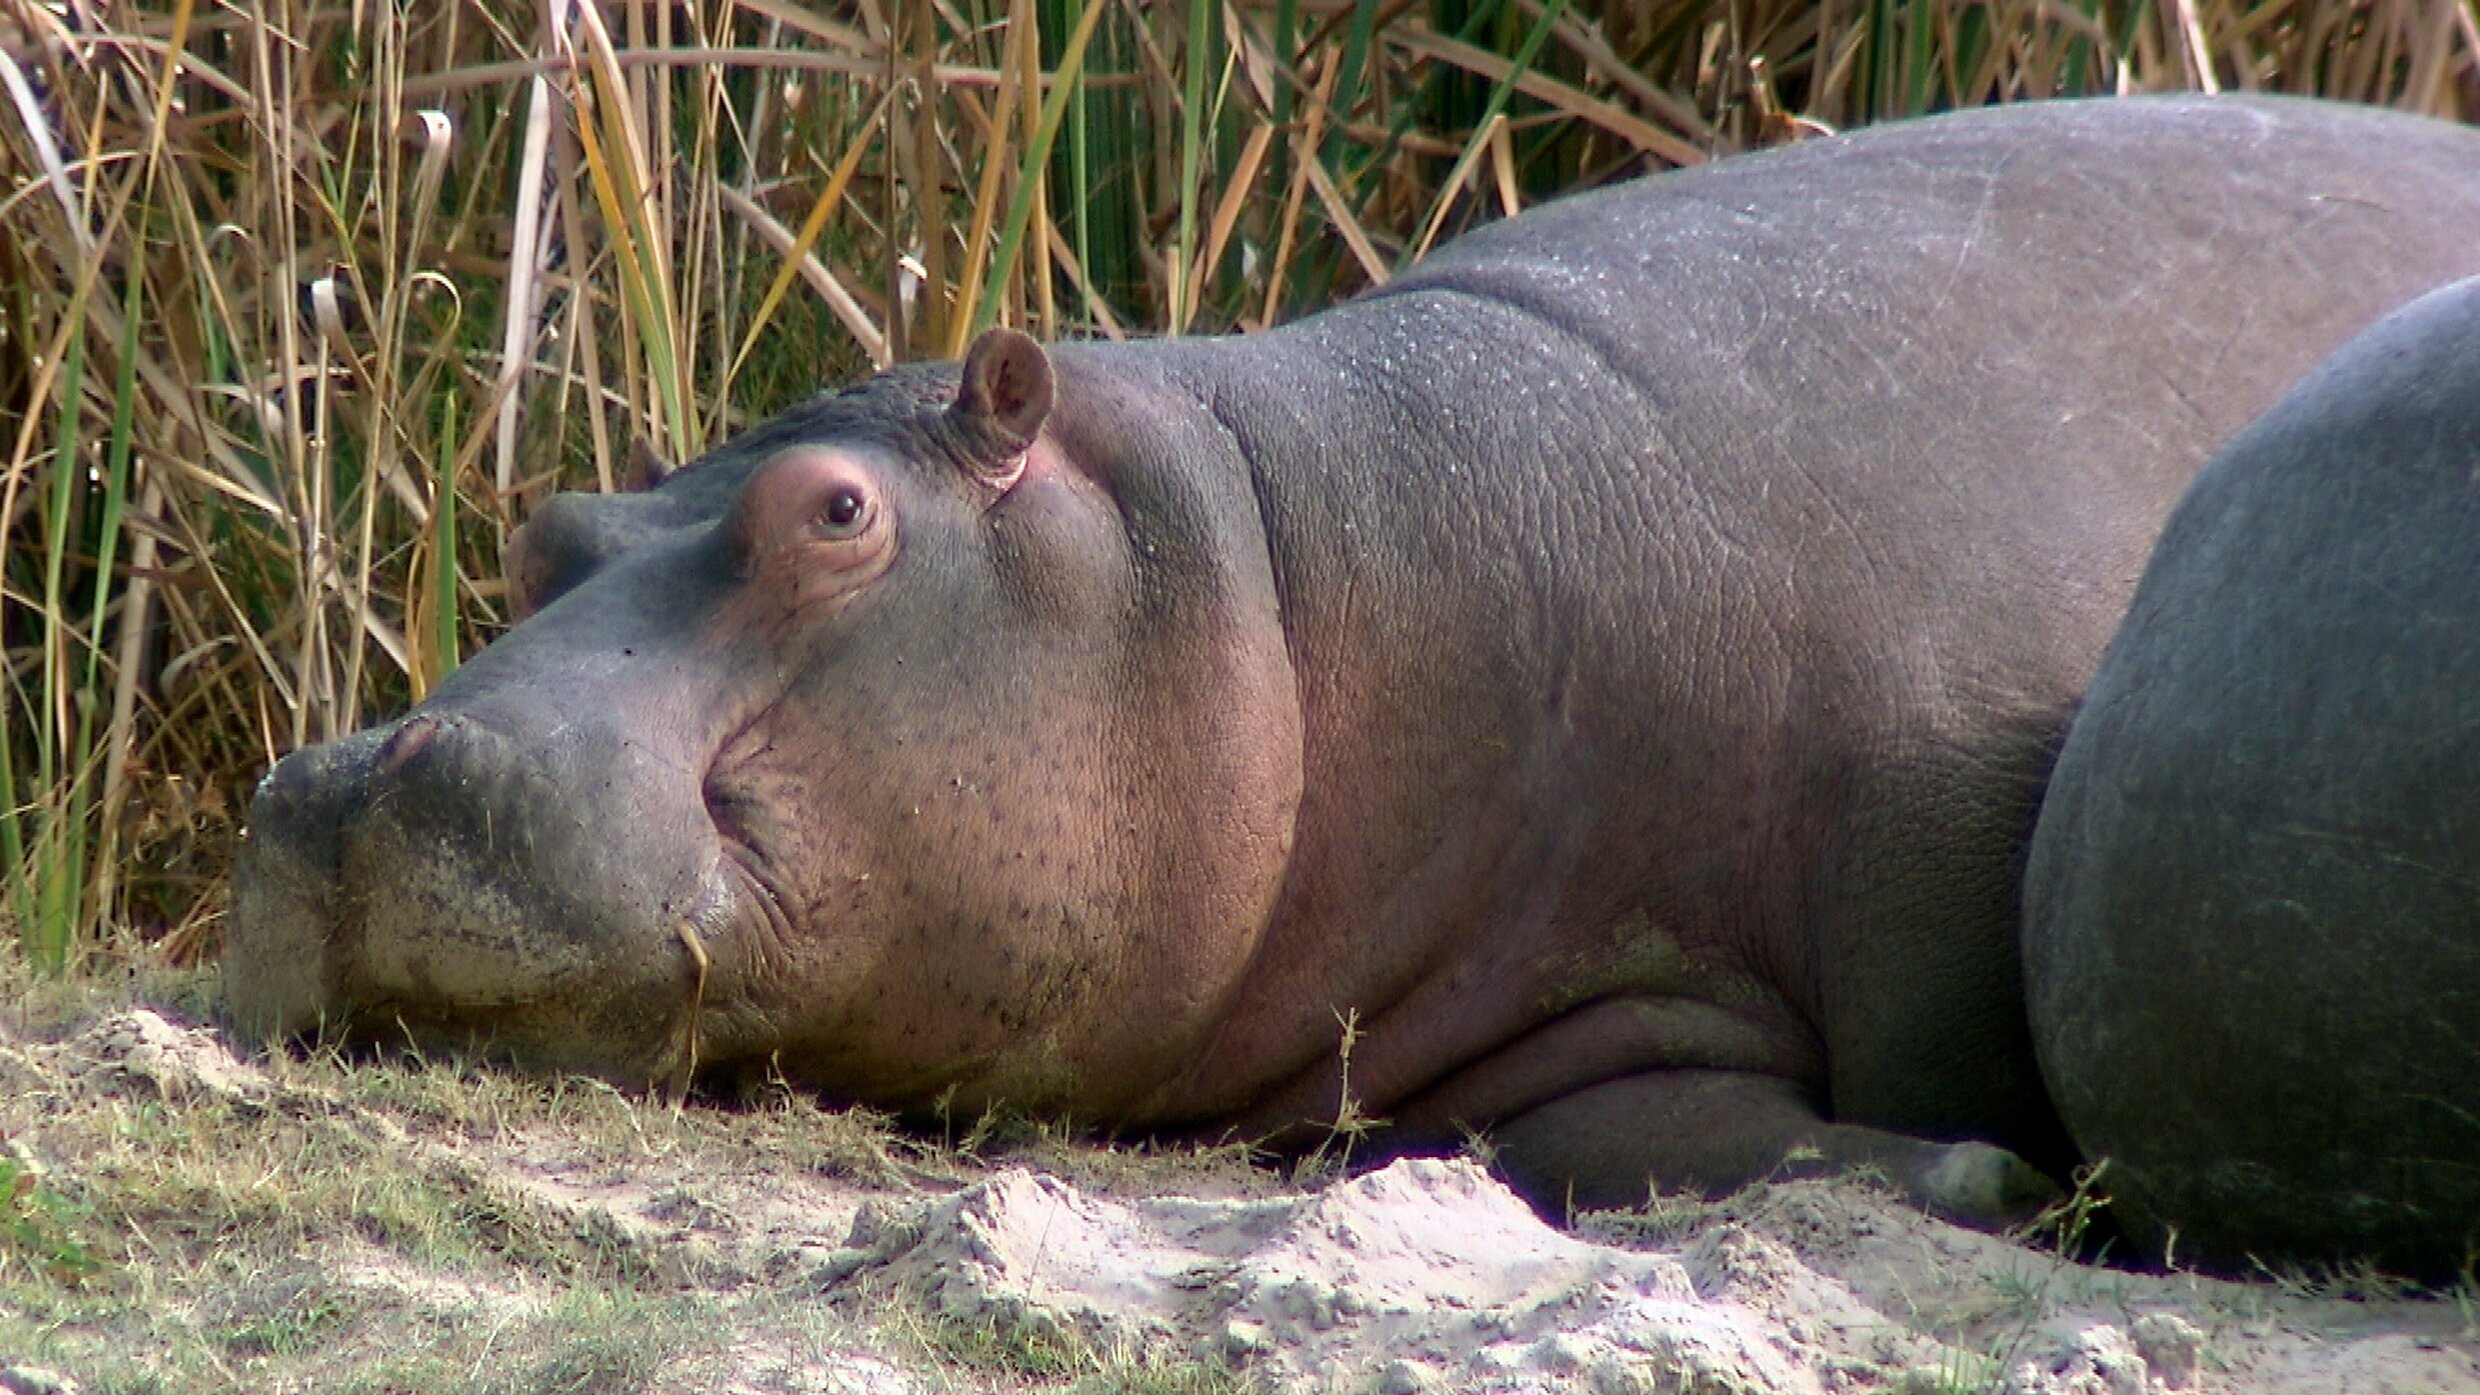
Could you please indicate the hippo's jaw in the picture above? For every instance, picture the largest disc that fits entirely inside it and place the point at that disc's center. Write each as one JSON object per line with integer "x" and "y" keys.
{"x": 435, "y": 881}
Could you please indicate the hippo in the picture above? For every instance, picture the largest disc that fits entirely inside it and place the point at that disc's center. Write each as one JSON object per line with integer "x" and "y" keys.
{"x": 1592, "y": 691}
{"x": 2252, "y": 905}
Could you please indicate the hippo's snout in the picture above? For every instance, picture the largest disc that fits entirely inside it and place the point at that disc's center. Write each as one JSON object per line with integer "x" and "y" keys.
{"x": 279, "y": 955}
{"x": 445, "y": 877}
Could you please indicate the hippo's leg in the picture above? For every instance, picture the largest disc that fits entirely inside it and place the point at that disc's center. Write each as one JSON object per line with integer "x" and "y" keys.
{"x": 1713, "y": 1130}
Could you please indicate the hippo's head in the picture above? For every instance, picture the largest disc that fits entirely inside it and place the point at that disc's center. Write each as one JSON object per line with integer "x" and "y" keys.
{"x": 951, "y": 724}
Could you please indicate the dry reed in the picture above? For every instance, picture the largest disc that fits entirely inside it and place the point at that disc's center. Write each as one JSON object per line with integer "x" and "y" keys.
{"x": 303, "y": 304}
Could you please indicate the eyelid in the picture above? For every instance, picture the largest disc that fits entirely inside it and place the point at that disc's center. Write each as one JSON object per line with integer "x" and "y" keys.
{"x": 785, "y": 505}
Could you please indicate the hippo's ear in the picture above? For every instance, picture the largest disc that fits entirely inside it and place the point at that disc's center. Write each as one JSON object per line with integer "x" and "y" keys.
{"x": 646, "y": 469}
{"x": 1001, "y": 403}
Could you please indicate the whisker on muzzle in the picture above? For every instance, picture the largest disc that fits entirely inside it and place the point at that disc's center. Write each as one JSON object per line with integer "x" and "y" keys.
{"x": 679, "y": 1088}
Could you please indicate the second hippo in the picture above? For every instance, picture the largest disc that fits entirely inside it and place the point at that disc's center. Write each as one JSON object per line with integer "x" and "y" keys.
{"x": 2253, "y": 905}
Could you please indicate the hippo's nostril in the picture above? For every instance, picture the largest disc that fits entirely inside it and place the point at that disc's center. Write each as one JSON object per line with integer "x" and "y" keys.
{"x": 408, "y": 742}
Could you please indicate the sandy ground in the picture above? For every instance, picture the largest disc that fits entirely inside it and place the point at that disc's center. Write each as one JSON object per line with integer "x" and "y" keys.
{"x": 1425, "y": 1275}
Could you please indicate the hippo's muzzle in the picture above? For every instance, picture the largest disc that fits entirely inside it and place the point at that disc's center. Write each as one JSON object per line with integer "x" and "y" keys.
{"x": 441, "y": 878}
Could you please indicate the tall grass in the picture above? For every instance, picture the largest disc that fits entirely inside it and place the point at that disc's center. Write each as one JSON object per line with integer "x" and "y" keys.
{"x": 303, "y": 304}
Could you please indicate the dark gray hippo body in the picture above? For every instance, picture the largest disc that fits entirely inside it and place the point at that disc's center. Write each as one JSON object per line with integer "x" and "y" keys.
{"x": 1613, "y": 666}
{"x": 2252, "y": 931}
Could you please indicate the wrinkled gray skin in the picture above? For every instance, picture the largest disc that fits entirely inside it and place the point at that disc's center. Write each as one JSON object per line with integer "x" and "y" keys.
{"x": 2252, "y": 935}
{"x": 1613, "y": 666}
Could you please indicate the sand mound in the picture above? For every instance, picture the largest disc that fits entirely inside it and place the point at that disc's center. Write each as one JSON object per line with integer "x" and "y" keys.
{"x": 1430, "y": 1275}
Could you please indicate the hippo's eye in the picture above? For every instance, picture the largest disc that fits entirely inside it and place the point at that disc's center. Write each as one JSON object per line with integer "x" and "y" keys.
{"x": 843, "y": 509}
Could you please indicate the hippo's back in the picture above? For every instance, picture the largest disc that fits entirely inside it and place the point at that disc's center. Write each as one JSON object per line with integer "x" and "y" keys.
{"x": 1913, "y": 213}
{"x": 2003, "y": 321}
{"x": 1906, "y": 407}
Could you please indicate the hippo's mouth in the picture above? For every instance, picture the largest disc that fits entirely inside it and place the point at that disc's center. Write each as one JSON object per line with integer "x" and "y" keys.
{"x": 665, "y": 1042}
{"x": 435, "y": 883}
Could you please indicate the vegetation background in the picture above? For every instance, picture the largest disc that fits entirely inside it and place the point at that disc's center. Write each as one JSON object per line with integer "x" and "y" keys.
{"x": 304, "y": 303}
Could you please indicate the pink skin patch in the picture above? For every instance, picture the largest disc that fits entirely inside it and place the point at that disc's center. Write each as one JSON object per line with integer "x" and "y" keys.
{"x": 810, "y": 531}
{"x": 409, "y": 741}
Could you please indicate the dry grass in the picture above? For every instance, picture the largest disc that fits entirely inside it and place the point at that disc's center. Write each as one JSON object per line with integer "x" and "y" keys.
{"x": 303, "y": 304}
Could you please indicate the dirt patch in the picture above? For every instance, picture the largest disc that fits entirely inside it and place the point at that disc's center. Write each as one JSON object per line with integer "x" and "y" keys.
{"x": 180, "y": 1217}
